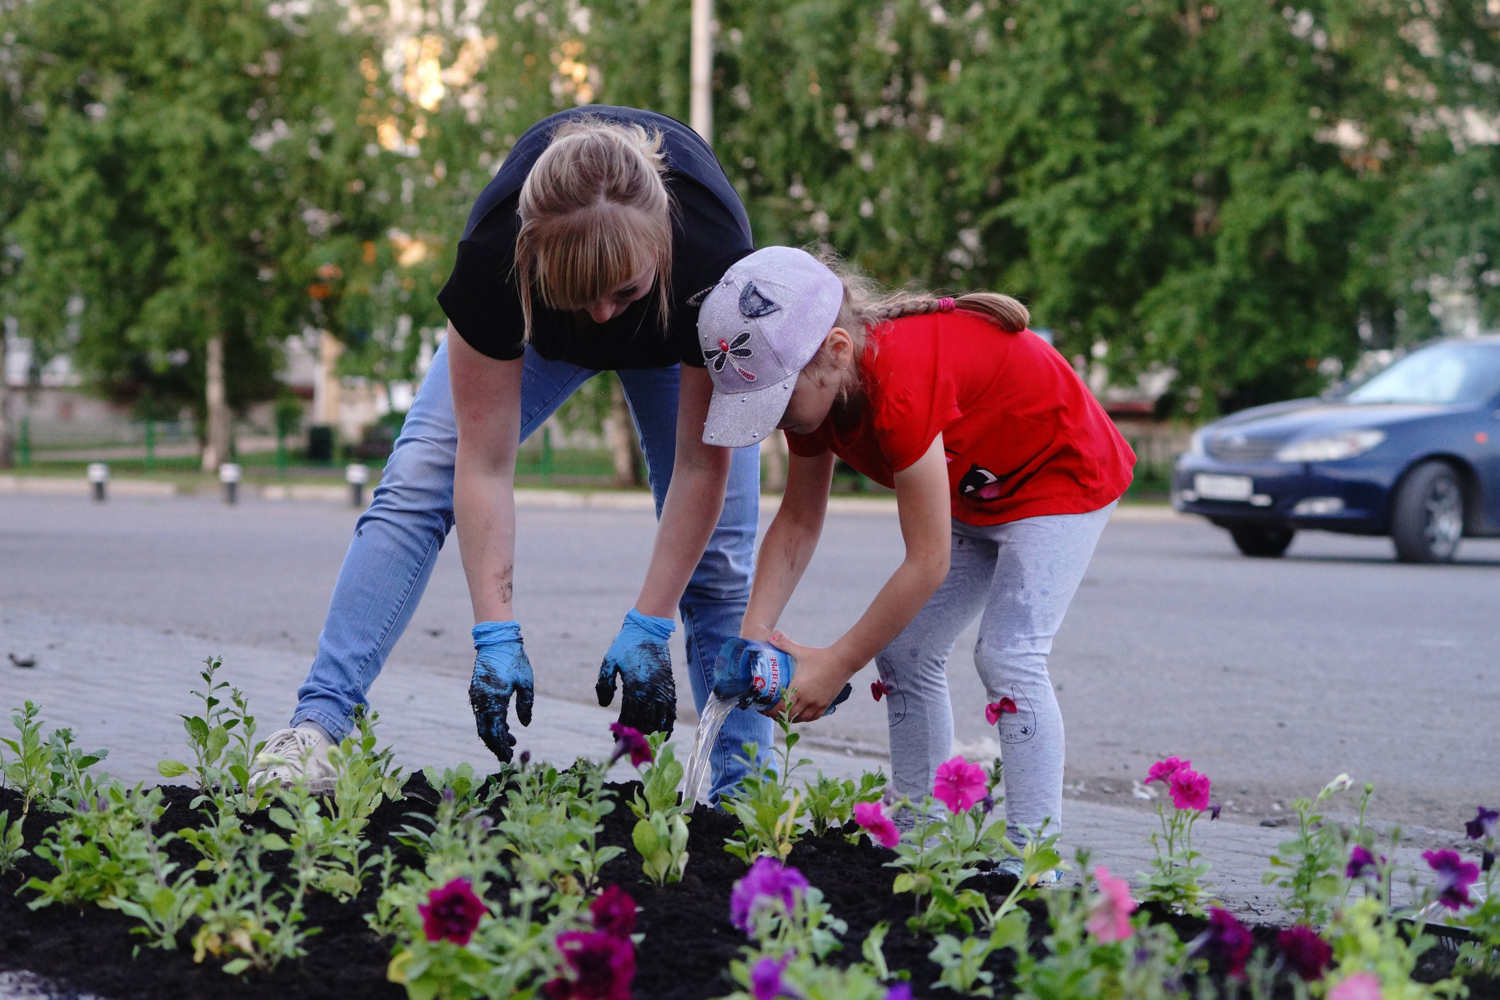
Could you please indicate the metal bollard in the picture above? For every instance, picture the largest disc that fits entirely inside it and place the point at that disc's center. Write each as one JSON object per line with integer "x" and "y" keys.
{"x": 229, "y": 475}
{"x": 99, "y": 477}
{"x": 356, "y": 474}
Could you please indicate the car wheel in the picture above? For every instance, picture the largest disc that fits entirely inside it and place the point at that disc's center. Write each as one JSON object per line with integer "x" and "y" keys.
{"x": 1427, "y": 515}
{"x": 1262, "y": 541}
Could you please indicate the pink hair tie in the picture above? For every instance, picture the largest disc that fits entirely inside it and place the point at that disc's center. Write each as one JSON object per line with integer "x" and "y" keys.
{"x": 945, "y": 305}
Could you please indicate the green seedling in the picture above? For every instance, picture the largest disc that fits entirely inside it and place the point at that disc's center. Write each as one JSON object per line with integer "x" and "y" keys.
{"x": 222, "y": 740}
{"x": 831, "y": 802}
{"x": 163, "y": 899}
{"x": 12, "y": 842}
{"x": 1308, "y": 867}
{"x": 661, "y": 829}
{"x": 30, "y": 772}
{"x": 551, "y": 821}
{"x": 251, "y": 927}
{"x": 766, "y": 811}
{"x": 99, "y": 847}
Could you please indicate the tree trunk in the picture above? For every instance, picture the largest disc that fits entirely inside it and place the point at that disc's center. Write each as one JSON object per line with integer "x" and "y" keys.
{"x": 7, "y": 436}
{"x": 620, "y": 436}
{"x": 216, "y": 447}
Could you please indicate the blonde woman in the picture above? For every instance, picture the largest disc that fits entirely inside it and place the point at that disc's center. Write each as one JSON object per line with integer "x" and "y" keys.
{"x": 588, "y": 251}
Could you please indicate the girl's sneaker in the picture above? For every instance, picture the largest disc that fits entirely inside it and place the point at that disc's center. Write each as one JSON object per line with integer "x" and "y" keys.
{"x": 1015, "y": 866}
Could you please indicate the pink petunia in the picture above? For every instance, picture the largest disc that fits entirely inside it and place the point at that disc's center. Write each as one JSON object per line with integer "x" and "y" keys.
{"x": 959, "y": 784}
{"x": 1109, "y": 916}
{"x": 1189, "y": 790}
{"x": 879, "y": 689}
{"x": 995, "y": 709}
{"x": 452, "y": 912}
{"x": 1360, "y": 986}
{"x": 872, "y": 818}
{"x": 1163, "y": 770}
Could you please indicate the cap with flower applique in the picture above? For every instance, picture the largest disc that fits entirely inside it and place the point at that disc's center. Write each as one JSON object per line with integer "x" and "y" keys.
{"x": 758, "y": 328}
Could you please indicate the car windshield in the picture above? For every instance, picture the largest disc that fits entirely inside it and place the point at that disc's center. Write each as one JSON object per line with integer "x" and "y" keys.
{"x": 1452, "y": 373}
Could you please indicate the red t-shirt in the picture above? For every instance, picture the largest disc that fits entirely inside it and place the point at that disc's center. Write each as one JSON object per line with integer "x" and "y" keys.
{"x": 1023, "y": 435}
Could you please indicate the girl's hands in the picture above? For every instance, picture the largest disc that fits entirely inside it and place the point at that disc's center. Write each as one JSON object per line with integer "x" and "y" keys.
{"x": 818, "y": 680}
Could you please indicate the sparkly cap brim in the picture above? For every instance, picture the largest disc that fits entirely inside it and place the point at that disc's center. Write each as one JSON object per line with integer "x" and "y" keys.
{"x": 736, "y": 420}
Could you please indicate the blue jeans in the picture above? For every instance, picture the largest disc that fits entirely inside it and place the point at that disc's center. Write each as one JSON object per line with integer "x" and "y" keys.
{"x": 396, "y": 543}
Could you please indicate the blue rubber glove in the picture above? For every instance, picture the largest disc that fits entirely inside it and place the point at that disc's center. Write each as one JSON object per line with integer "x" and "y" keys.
{"x": 500, "y": 670}
{"x": 640, "y": 658}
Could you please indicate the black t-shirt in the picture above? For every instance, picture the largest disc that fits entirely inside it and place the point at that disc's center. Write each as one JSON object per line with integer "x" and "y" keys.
{"x": 710, "y": 231}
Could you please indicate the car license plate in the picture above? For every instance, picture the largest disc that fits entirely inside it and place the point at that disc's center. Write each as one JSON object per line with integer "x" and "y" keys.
{"x": 1212, "y": 487}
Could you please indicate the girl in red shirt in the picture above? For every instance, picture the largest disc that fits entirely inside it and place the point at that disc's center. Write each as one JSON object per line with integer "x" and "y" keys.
{"x": 1005, "y": 469}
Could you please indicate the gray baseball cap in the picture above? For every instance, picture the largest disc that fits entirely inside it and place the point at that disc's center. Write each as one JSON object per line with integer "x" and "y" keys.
{"x": 758, "y": 329}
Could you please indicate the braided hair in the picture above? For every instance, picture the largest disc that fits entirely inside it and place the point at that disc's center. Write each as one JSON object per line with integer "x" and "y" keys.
{"x": 867, "y": 307}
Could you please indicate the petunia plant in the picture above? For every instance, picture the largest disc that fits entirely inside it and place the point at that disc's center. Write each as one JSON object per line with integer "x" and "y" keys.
{"x": 1306, "y": 867}
{"x": 1481, "y": 953}
{"x": 661, "y": 830}
{"x": 1177, "y": 870}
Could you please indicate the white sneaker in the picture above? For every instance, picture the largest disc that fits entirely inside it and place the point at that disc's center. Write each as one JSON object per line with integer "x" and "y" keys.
{"x": 1015, "y": 866}
{"x": 293, "y": 753}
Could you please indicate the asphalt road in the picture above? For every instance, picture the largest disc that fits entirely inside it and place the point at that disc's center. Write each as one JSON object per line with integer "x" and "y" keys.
{"x": 1272, "y": 675}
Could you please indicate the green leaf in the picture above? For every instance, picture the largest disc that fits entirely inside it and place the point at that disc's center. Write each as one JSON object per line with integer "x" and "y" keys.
{"x": 172, "y": 768}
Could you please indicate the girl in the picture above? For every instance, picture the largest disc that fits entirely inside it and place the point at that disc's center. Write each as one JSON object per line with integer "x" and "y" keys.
{"x": 589, "y": 250}
{"x": 1005, "y": 469}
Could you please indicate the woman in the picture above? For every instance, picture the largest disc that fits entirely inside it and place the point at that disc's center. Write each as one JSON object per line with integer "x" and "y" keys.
{"x": 584, "y": 253}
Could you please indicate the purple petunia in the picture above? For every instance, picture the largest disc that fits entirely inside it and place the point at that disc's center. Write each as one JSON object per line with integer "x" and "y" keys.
{"x": 613, "y": 912}
{"x": 1362, "y": 863}
{"x": 630, "y": 741}
{"x": 765, "y": 980}
{"x": 767, "y": 883}
{"x": 602, "y": 966}
{"x": 452, "y": 912}
{"x": 1306, "y": 954}
{"x": 1454, "y": 876}
{"x": 1483, "y": 826}
{"x": 1226, "y": 941}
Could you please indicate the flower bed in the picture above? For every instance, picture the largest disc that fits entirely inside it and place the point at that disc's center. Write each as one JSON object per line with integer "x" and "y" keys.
{"x": 556, "y": 884}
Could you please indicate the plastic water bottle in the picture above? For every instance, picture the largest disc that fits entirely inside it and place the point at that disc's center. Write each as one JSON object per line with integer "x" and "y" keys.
{"x": 757, "y": 674}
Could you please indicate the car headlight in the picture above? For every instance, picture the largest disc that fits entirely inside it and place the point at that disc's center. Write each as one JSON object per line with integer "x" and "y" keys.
{"x": 1330, "y": 447}
{"x": 1195, "y": 445}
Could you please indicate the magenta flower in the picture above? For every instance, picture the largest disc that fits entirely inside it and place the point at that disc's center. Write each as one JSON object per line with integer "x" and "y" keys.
{"x": 901, "y": 991}
{"x": 1109, "y": 916}
{"x": 765, "y": 980}
{"x": 1306, "y": 954}
{"x": 1226, "y": 941}
{"x": 995, "y": 709}
{"x": 630, "y": 741}
{"x": 872, "y": 818}
{"x": 1189, "y": 790}
{"x": 1360, "y": 986}
{"x": 602, "y": 966}
{"x": 452, "y": 912}
{"x": 1454, "y": 876}
{"x": 1483, "y": 826}
{"x": 767, "y": 883}
{"x": 879, "y": 689}
{"x": 959, "y": 784}
{"x": 1163, "y": 770}
{"x": 614, "y": 912}
{"x": 1362, "y": 863}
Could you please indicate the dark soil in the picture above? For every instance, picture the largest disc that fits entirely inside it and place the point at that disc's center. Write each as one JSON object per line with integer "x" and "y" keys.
{"x": 687, "y": 949}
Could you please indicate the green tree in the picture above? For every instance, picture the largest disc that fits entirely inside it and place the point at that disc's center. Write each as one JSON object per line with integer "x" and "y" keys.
{"x": 188, "y": 177}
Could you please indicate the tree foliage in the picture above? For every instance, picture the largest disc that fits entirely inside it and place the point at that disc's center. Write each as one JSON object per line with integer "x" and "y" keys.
{"x": 1239, "y": 192}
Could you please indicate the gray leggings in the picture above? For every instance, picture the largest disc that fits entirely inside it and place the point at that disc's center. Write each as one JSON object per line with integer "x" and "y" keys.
{"x": 1023, "y": 574}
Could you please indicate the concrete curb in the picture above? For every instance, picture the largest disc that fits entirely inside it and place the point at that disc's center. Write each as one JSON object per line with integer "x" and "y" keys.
{"x": 55, "y": 486}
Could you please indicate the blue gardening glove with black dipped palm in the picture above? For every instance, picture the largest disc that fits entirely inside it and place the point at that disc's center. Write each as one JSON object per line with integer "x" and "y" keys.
{"x": 500, "y": 670}
{"x": 640, "y": 658}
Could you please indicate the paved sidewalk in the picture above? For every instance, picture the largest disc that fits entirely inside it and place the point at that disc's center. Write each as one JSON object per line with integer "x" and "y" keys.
{"x": 90, "y": 677}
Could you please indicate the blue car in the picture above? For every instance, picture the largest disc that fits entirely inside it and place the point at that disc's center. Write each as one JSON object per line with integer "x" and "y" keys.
{"x": 1413, "y": 453}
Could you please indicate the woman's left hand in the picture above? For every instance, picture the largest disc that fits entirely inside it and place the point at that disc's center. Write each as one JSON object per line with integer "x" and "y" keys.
{"x": 818, "y": 679}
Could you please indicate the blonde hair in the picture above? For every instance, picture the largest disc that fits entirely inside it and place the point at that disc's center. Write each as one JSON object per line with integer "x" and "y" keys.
{"x": 867, "y": 307}
{"x": 595, "y": 214}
